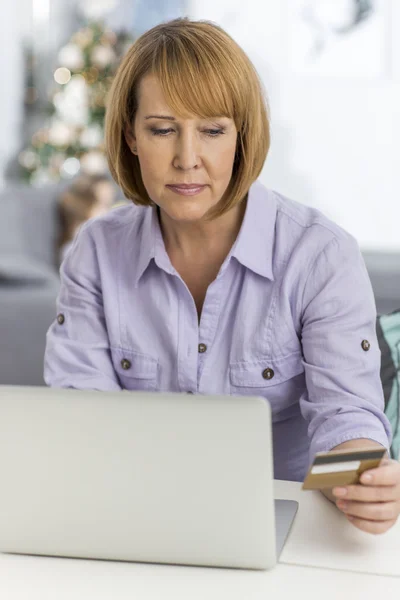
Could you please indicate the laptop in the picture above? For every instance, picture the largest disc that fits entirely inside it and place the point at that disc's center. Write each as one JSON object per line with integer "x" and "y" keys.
{"x": 139, "y": 476}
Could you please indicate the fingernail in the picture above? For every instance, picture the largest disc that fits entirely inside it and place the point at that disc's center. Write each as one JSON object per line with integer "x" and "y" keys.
{"x": 366, "y": 478}
{"x": 340, "y": 491}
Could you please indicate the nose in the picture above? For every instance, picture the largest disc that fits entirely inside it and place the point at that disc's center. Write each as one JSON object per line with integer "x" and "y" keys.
{"x": 186, "y": 155}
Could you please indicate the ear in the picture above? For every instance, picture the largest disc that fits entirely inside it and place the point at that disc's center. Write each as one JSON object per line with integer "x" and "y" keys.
{"x": 130, "y": 139}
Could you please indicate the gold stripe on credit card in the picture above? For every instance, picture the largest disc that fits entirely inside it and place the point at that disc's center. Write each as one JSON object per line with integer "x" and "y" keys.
{"x": 341, "y": 467}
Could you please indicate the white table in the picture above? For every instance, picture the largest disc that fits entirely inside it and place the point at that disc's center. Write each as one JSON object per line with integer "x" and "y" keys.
{"x": 42, "y": 578}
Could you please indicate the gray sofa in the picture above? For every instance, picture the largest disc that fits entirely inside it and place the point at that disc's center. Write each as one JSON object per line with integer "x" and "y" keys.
{"x": 29, "y": 280}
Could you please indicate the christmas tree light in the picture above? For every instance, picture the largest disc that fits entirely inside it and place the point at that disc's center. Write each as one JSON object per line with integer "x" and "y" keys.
{"x": 71, "y": 139}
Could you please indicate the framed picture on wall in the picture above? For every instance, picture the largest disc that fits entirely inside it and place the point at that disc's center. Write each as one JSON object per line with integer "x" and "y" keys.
{"x": 339, "y": 38}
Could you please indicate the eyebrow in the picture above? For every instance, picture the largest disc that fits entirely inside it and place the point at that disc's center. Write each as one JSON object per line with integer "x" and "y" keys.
{"x": 163, "y": 117}
{"x": 169, "y": 118}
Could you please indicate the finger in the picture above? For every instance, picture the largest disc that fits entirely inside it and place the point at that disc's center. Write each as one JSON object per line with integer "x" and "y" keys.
{"x": 387, "y": 473}
{"x": 380, "y": 511}
{"x": 364, "y": 493}
{"x": 375, "y": 527}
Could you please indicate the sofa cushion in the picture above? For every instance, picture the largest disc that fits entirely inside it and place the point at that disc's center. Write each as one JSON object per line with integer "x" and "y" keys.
{"x": 17, "y": 269}
{"x": 26, "y": 313}
{"x": 28, "y": 221}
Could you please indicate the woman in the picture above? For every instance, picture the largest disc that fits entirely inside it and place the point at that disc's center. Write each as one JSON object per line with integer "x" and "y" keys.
{"x": 211, "y": 283}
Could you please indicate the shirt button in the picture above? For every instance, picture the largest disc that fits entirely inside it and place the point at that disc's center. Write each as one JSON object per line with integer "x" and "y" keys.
{"x": 126, "y": 364}
{"x": 60, "y": 319}
{"x": 365, "y": 345}
{"x": 202, "y": 348}
{"x": 268, "y": 373}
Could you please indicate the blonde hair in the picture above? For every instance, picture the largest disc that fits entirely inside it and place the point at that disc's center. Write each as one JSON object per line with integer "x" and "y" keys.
{"x": 202, "y": 71}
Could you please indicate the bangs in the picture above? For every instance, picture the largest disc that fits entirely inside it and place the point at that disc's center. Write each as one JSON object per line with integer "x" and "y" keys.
{"x": 197, "y": 80}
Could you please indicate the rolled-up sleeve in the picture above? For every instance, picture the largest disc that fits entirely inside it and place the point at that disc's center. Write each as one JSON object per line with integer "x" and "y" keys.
{"x": 344, "y": 399}
{"x": 77, "y": 345}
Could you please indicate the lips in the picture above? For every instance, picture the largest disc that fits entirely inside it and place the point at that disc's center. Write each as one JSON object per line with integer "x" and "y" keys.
{"x": 187, "y": 189}
{"x": 186, "y": 186}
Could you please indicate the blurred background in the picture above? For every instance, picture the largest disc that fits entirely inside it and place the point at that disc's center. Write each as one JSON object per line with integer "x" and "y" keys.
{"x": 330, "y": 69}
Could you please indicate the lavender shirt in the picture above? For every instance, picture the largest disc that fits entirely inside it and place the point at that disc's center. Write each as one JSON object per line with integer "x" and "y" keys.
{"x": 288, "y": 318}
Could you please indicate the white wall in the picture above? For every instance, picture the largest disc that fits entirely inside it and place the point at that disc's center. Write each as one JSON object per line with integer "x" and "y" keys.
{"x": 335, "y": 142}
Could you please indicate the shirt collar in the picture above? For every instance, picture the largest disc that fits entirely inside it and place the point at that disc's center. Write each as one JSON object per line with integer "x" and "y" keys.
{"x": 253, "y": 247}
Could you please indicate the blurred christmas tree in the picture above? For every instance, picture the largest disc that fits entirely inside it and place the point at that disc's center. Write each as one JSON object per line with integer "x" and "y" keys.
{"x": 71, "y": 140}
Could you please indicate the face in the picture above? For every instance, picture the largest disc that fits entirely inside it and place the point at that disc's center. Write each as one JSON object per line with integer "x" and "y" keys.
{"x": 175, "y": 151}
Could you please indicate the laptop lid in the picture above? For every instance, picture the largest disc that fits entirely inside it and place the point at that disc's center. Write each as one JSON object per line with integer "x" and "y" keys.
{"x": 138, "y": 476}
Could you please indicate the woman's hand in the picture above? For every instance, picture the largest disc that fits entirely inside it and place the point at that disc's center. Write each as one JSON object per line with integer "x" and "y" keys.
{"x": 373, "y": 505}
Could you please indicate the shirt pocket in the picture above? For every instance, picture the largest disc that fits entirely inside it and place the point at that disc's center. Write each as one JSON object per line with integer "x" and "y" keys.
{"x": 135, "y": 371}
{"x": 281, "y": 381}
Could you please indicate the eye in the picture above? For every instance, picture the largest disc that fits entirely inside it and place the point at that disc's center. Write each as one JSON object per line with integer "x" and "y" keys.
{"x": 214, "y": 132}
{"x": 164, "y": 132}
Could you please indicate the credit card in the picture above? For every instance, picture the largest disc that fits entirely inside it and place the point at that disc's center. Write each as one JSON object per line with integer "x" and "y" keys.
{"x": 341, "y": 467}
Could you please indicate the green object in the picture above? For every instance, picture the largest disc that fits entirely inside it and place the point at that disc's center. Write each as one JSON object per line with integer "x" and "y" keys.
{"x": 388, "y": 330}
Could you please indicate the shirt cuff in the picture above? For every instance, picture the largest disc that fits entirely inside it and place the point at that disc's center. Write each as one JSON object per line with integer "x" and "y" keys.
{"x": 325, "y": 444}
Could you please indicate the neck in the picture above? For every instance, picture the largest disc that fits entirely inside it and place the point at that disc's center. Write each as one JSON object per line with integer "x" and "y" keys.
{"x": 202, "y": 240}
